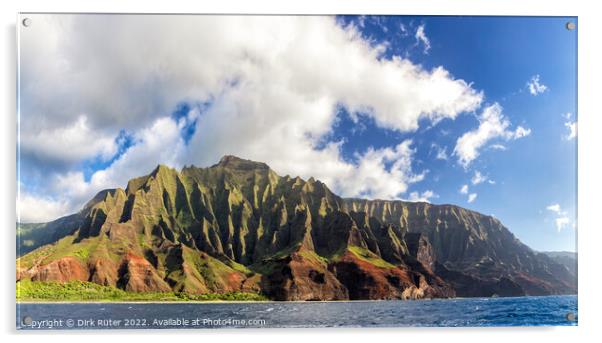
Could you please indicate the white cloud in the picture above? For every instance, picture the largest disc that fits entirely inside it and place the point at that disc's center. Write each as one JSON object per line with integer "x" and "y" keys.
{"x": 361, "y": 21}
{"x": 378, "y": 21}
{"x": 572, "y": 127}
{"x": 39, "y": 209}
{"x": 70, "y": 191}
{"x": 535, "y": 86}
{"x": 498, "y": 147}
{"x": 478, "y": 178}
{"x": 554, "y": 208}
{"x": 441, "y": 152}
{"x": 492, "y": 124}
{"x": 562, "y": 219}
{"x": 471, "y": 197}
{"x": 245, "y": 50}
{"x": 68, "y": 144}
{"x": 424, "y": 197}
{"x": 520, "y": 132}
{"x": 561, "y": 222}
{"x": 273, "y": 95}
{"x": 422, "y": 38}
{"x": 403, "y": 30}
{"x": 371, "y": 177}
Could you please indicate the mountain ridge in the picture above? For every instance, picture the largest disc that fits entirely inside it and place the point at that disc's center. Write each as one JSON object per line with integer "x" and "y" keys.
{"x": 238, "y": 226}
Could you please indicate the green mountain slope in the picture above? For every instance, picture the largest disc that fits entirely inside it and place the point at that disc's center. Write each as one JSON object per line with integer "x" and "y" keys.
{"x": 239, "y": 227}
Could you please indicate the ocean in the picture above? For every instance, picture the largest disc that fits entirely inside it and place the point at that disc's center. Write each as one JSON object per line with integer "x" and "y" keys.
{"x": 515, "y": 311}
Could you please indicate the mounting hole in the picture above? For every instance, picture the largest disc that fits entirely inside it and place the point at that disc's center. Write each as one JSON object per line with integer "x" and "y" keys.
{"x": 570, "y": 317}
{"x": 570, "y": 25}
{"x": 26, "y": 22}
{"x": 27, "y": 320}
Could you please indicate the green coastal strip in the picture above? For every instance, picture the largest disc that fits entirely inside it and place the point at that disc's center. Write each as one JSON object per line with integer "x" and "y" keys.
{"x": 88, "y": 291}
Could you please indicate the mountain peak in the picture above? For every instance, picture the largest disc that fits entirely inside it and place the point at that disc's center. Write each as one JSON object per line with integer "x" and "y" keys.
{"x": 300, "y": 241}
{"x": 237, "y": 163}
{"x": 161, "y": 168}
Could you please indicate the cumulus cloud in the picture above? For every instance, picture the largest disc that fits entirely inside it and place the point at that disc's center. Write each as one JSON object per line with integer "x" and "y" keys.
{"x": 492, "y": 124}
{"x": 520, "y": 132}
{"x": 561, "y": 223}
{"x": 562, "y": 219}
{"x": 68, "y": 192}
{"x": 470, "y": 197}
{"x": 421, "y": 38}
{"x": 273, "y": 85}
{"x": 68, "y": 144}
{"x": 572, "y": 128}
{"x": 478, "y": 178}
{"x": 535, "y": 87}
{"x": 422, "y": 197}
{"x": 554, "y": 208}
{"x": 39, "y": 209}
{"x": 170, "y": 62}
{"x": 380, "y": 173}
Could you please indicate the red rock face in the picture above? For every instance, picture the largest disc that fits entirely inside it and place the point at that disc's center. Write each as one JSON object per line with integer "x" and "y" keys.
{"x": 299, "y": 278}
{"x": 22, "y": 273}
{"x": 61, "y": 270}
{"x": 138, "y": 275}
{"x": 251, "y": 284}
{"x": 103, "y": 272}
{"x": 234, "y": 282}
{"x": 350, "y": 278}
{"x": 185, "y": 231}
{"x": 366, "y": 281}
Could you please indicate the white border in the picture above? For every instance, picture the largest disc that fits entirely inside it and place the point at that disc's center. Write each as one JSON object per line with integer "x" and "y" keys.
{"x": 589, "y": 161}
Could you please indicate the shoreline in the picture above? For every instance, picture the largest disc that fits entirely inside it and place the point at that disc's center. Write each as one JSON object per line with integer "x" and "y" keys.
{"x": 18, "y": 302}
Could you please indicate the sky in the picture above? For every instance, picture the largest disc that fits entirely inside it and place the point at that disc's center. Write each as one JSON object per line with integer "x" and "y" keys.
{"x": 478, "y": 112}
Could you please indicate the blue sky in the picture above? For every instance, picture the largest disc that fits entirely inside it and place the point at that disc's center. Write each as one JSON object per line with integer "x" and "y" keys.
{"x": 397, "y": 107}
{"x": 498, "y": 55}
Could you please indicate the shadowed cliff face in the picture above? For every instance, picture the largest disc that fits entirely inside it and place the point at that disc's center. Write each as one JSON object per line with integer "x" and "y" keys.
{"x": 238, "y": 226}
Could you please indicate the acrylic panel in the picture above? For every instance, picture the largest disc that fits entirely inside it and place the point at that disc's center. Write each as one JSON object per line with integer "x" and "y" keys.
{"x": 219, "y": 171}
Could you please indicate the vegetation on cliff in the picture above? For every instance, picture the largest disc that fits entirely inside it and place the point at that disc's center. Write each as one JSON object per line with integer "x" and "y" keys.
{"x": 238, "y": 227}
{"x": 89, "y": 291}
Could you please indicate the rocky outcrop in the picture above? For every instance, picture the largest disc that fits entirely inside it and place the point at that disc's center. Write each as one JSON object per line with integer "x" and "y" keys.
{"x": 474, "y": 245}
{"x": 61, "y": 270}
{"x": 296, "y": 277}
{"x": 238, "y": 226}
{"x": 137, "y": 275}
{"x": 420, "y": 248}
{"x": 467, "y": 285}
{"x": 365, "y": 281}
{"x": 103, "y": 272}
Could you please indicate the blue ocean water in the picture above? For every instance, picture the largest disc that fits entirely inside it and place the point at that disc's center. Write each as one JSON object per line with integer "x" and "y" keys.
{"x": 519, "y": 311}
